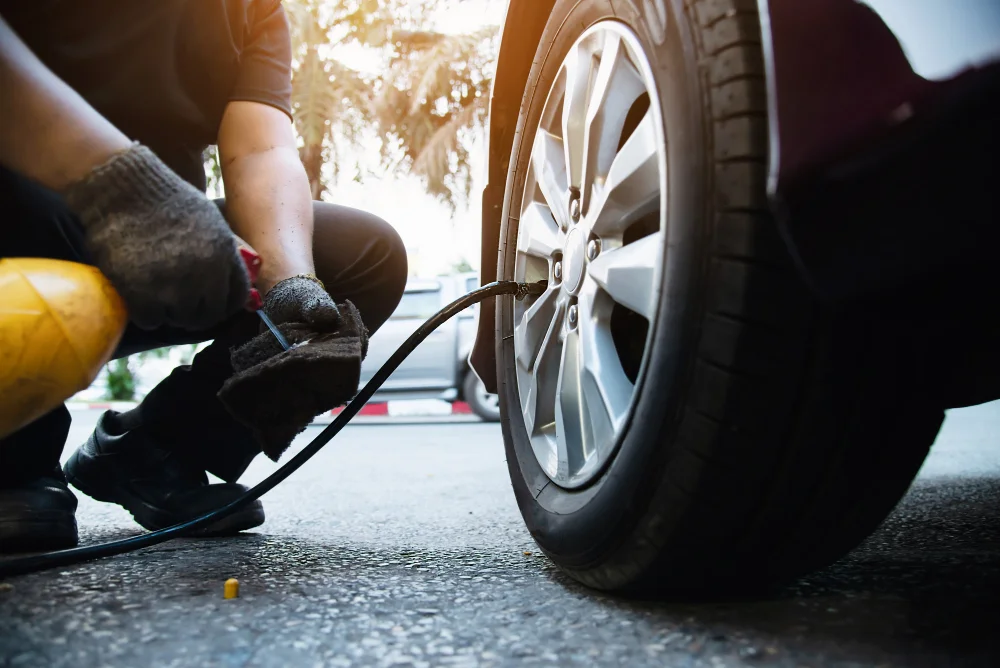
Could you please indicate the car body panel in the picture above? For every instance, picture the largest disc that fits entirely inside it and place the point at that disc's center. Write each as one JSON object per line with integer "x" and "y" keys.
{"x": 437, "y": 367}
{"x": 882, "y": 135}
{"x": 842, "y": 73}
{"x": 428, "y": 367}
{"x": 522, "y": 31}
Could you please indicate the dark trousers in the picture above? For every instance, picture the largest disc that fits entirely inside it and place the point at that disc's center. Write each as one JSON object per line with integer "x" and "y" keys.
{"x": 357, "y": 255}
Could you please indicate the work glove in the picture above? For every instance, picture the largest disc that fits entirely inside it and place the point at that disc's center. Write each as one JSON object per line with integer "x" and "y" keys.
{"x": 302, "y": 300}
{"x": 276, "y": 393}
{"x": 163, "y": 244}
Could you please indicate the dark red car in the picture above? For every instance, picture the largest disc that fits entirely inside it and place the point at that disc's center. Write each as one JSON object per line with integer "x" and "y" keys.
{"x": 768, "y": 229}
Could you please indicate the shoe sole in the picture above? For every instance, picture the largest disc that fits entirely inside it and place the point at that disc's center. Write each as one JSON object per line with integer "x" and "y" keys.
{"x": 37, "y": 530}
{"x": 151, "y": 517}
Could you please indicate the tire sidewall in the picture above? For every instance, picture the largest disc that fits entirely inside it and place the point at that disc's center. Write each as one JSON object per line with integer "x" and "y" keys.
{"x": 580, "y": 527}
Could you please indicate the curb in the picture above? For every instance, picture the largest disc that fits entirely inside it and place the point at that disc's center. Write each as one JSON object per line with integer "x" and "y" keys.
{"x": 387, "y": 410}
{"x": 119, "y": 406}
{"x": 417, "y": 408}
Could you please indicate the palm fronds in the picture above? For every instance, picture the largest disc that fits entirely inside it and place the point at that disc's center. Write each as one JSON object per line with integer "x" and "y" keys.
{"x": 437, "y": 88}
{"x": 434, "y": 88}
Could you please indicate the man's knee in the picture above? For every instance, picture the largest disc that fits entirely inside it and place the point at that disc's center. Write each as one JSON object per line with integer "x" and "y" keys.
{"x": 362, "y": 258}
{"x": 389, "y": 271}
{"x": 397, "y": 265}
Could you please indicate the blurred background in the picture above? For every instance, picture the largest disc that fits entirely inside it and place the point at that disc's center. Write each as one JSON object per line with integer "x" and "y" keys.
{"x": 390, "y": 100}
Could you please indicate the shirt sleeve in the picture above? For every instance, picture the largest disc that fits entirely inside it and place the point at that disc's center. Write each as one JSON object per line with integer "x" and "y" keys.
{"x": 265, "y": 71}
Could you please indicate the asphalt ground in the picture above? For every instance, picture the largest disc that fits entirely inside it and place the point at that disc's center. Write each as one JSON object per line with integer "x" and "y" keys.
{"x": 401, "y": 544}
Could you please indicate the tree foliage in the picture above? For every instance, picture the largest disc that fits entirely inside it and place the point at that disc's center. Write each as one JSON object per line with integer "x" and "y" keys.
{"x": 426, "y": 89}
{"x": 121, "y": 380}
{"x": 436, "y": 90}
{"x": 332, "y": 103}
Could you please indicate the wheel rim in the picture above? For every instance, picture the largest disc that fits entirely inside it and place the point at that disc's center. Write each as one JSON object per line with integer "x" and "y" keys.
{"x": 592, "y": 223}
{"x": 490, "y": 402}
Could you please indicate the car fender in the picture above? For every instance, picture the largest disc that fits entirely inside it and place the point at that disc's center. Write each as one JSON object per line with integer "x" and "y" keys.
{"x": 873, "y": 107}
{"x": 841, "y": 74}
{"x": 522, "y": 31}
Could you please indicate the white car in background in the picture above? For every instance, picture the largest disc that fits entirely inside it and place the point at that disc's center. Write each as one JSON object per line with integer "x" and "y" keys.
{"x": 439, "y": 367}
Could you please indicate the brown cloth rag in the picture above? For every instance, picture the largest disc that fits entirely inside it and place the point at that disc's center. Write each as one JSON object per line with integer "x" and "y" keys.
{"x": 277, "y": 393}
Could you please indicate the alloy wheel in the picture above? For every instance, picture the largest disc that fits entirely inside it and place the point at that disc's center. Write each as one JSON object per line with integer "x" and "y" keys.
{"x": 591, "y": 223}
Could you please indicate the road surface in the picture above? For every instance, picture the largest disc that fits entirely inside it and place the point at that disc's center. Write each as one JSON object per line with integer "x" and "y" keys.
{"x": 401, "y": 545}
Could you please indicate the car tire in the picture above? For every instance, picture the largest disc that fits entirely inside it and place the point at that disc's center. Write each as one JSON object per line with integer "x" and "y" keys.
{"x": 768, "y": 434}
{"x": 482, "y": 403}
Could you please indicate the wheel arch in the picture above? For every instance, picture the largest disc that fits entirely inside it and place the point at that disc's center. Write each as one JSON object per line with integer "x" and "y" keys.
{"x": 522, "y": 32}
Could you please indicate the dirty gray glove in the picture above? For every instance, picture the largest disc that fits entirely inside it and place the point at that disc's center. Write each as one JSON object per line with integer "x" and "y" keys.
{"x": 163, "y": 244}
{"x": 302, "y": 300}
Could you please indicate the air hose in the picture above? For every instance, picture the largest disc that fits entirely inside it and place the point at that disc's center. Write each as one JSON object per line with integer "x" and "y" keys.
{"x": 59, "y": 558}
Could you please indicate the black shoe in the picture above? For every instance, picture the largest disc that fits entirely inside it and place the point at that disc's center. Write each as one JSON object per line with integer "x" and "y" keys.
{"x": 38, "y": 515}
{"x": 152, "y": 483}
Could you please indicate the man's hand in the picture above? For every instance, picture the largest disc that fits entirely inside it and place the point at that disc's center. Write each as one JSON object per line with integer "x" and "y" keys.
{"x": 164, "y": 245}
{"x": 302, "y": 300}
{"x": 268, "y": 204}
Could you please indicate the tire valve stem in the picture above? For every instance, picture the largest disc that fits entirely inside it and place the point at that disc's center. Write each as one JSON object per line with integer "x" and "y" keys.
{"x": 525, "y": 289}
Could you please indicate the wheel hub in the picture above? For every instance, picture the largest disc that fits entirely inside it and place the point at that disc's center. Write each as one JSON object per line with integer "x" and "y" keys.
{"x": 574, "y": 260}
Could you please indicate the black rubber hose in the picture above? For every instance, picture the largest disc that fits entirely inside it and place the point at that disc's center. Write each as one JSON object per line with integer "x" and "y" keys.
{"x": 40, "y": 562}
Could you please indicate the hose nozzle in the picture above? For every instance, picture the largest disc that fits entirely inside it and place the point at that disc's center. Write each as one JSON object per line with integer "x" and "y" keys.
{"x": 534, "y": 289}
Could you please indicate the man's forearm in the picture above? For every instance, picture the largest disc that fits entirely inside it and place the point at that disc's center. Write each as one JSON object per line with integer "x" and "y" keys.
{"x": 48, "y": 132}
{"x": 268, "y": 203}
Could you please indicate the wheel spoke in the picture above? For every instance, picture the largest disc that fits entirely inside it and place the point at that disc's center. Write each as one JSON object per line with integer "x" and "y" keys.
{"x": 569, "y": 419}
{"x": 534, "y": 326}
{"x": 628, "y": 273}
{"x": 540, "y": 402}
{"x": 578, "y": 67}
{"x": 617, "y": 86}
{"x": 632, "y": 188}
{"x": 610, "y": 57}
{"x": 549, "y": 167}
{"x": 606, "y": 390}
{"x": 538, "y": 233}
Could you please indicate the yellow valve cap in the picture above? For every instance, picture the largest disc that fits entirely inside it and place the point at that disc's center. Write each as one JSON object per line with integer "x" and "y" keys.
{"x": 231, "y": 589}
{"x": 60, "y": 322}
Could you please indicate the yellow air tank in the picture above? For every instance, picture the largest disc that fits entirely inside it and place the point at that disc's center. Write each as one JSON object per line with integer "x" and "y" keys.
{"x": 60, "y": 322}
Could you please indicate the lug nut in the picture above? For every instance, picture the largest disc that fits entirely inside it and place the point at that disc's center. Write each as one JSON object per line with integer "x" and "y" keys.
{"x": 593, "y": 249}
{"x": 557, "y": 271}
{"x": 573, "y": 315}
{"x": 574, "y": 209}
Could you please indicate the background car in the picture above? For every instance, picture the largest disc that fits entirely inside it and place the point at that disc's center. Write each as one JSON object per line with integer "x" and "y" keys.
{"x": 766, "y": 230}
{"x": 439, "y": 367}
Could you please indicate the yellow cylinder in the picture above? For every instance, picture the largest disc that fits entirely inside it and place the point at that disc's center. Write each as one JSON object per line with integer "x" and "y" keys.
{"x": 60, "y": 322}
